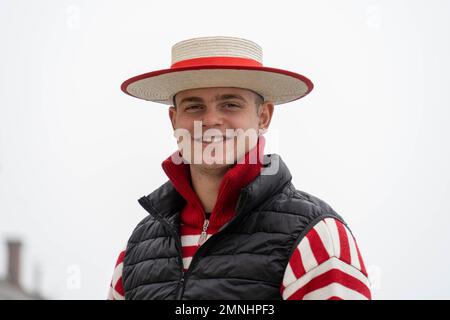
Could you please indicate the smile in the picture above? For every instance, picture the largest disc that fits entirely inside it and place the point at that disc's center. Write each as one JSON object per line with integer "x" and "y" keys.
{"x": 213, "y": 139}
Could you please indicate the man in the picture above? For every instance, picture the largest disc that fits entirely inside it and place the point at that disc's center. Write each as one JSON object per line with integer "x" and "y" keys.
{"x": 229, "y": 224}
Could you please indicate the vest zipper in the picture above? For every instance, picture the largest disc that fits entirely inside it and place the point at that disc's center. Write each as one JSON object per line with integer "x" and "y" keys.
{"x": 204, "y": 234}
{"x": 181, "y": 288}
{"x": 201, "y": 241}
{"x": 238, "y": 215}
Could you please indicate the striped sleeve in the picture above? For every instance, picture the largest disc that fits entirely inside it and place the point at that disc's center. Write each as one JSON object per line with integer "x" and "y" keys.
{"x": 116, "y": 291}
{"x": 326, "y": 265}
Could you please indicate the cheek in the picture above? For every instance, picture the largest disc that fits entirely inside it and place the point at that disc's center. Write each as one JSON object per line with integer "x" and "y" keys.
{"x": 184, "y": 123}
{"x": 245, "y": 123}
{"x": 245, "y": 119}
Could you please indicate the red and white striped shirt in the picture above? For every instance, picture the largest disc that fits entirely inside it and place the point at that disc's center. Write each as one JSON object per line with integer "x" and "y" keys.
{"x": 326, "y": 264}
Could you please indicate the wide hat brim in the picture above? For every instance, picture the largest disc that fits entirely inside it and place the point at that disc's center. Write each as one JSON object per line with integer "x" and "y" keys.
{"x": 275, "y": 85}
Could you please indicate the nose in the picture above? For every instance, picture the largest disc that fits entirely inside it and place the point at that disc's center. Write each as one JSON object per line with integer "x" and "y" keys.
{"x": 211, "y": 119}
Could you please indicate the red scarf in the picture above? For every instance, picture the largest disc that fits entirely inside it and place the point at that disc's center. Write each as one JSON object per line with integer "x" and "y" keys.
{"x": 237, "y": 177}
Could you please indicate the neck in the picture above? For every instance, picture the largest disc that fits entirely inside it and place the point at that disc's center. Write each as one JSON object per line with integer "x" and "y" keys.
{"x": 206, "y": 184}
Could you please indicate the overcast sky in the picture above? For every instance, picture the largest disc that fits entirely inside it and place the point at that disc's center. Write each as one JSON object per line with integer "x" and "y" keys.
{"x": 371, "y": 139}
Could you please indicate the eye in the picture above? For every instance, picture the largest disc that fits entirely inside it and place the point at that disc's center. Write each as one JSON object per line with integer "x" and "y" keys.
{"x": 193, "y": 108}
{"x": 231, "y": 106}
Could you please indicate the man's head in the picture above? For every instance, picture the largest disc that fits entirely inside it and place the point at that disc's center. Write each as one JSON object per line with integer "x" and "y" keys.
{"x": 226, "y": 110}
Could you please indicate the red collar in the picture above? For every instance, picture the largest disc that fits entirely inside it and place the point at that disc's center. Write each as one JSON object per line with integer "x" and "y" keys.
{"x": 236, "y": 178}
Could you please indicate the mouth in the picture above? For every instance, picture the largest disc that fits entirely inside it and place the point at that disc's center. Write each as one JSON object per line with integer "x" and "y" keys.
{"x": 205, "y": 140}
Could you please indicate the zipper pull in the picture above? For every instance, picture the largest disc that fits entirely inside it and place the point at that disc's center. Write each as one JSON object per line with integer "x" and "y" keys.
{"x": 203, "y": 235}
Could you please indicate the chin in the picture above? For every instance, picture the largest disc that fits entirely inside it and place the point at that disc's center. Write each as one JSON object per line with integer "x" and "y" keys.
{"x": 214, "y": 166}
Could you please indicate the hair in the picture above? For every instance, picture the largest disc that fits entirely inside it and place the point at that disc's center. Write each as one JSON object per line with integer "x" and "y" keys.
{"x": 259, "y": 100}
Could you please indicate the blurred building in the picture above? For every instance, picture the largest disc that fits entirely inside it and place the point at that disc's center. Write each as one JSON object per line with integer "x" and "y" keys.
{"x": 10, "y": 287}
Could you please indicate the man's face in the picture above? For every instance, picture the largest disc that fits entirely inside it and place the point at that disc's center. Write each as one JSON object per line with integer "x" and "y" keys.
{"x": 218, "y": 125}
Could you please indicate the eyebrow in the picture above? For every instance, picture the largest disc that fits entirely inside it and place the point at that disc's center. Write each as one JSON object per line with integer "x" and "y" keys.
{"x": 217, "y": 98}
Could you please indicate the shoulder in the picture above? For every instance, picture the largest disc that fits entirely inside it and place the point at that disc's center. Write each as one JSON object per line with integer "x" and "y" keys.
{"x": 284, "y": 197}
{"x": 327, "y": 256}
{"x": 292, "y": 201}
{"x": 330, "y": 237}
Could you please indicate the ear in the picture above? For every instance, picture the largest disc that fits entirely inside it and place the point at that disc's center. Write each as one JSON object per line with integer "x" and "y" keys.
{"x": 172, "y": 116}
{"x": 265, "y": 114}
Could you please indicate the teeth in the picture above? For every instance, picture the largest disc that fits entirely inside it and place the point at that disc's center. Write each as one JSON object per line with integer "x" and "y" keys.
{"x": 212, "y": 139}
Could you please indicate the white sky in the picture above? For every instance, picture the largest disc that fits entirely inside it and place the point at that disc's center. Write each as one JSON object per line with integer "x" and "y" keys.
{"x": 371, "y": 139}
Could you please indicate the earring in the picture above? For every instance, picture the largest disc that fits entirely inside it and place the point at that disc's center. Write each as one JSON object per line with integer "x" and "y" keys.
{"x": 262, "y": 131}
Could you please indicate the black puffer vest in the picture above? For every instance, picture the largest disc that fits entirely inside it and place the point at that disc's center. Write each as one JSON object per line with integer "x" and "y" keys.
{"x": 245, "y": 259}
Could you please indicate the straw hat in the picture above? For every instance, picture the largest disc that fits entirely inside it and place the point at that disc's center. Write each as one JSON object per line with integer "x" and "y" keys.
{"x": 218, "y": 62}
